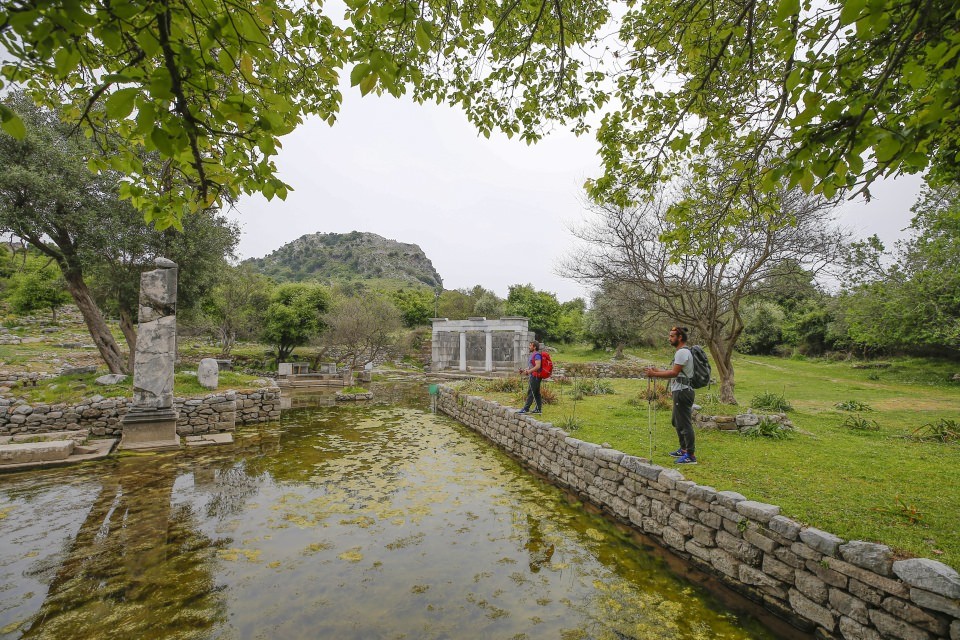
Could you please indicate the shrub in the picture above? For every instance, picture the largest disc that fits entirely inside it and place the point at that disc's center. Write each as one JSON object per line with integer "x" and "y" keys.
{"x": 569, "y": 423}
{"x": 659, "y": 396}
{"x": 943, "y": 430}
{"x": 509, "y": 384}
{"x": 859, "y": 423}
{"x": 853, "y": 405}
{"x": 593, "y": 387}
{"x": 766, "y": 429}
{"x": 771, "y": 402}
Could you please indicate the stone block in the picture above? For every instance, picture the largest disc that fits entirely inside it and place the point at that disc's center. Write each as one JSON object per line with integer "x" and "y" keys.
{"x": 680, "y": 524}
{"x": 674, "y": 538}
{"x": 28, "y": 452}
{"x": 779, "y": 570}
{"x": 821, "y": 541}
{"x": 889, "y": 585}
{"x": 704, "y": 535}
{"x": 758, "y": 511}
{"x": 785, "y": 527}
{"x": 849, "y": 606}
{"x": 929, "y": 575}
{"x": 868, "y": 555}
{"x": 705, "y": 494}
{"x": 894, "y": 627}
{"x": 806, "y": 552}
{"x": 852, "y": 630}
{"x": 652, "y": 526}
{"x": 688, "y": 511}
{"x": 823, "y": 571}
{"x": 811, "y": 586}
{"x": 712, "y": 520}
{"x": 916, "y": 616}
{"x": 725, "y": 563}
{"x": 698, "y": 551}
{"x": 866, "y": 593}
{"x": 811, "y": 610}
{"x": 611, "y": 456}
{"x": 931, "y": 600}
{"x": 729, "y": 499}
{"x": 740, "y": 548}
{"x": 757, "y": 578}
{"x": 669, "y": 478}
{"x": 757, "y": 539}
{"x": 660, "y": 512}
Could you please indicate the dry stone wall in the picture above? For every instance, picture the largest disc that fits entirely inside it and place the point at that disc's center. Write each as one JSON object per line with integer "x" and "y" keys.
{"x": 838, "y": 589}
{"x": 102, "y": 416}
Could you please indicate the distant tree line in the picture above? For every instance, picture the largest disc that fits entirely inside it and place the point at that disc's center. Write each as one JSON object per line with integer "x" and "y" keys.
{"x": 751, "y": 285}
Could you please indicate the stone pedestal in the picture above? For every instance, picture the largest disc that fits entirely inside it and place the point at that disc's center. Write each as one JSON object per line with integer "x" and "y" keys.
{"x": 154, "y": 430}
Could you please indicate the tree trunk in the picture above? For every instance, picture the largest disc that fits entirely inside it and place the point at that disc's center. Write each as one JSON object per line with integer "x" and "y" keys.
{"x": 227, "y": 339}
{"x": 129, "y": 334}
{"x": 96, "y": 325}
{"x": 723, "y": 360}
{"x": 619, "y": 354}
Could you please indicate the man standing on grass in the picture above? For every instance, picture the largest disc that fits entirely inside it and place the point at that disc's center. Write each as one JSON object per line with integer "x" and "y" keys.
{"x": 681, "y": 373}
{"x": 533, "y": 391}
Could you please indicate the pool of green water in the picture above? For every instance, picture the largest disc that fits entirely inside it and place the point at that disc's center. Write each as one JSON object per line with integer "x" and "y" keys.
{"x": 338, "y": 522}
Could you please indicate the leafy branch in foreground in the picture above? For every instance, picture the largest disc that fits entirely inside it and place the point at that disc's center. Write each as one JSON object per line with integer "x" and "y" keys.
{"x": 212, "y": 85}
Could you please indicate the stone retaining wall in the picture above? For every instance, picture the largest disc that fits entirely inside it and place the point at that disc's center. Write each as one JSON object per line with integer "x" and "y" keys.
{"x": 819, "y": 582}
{"x": 211, "y": 414}
{"x": 602, "y": 369}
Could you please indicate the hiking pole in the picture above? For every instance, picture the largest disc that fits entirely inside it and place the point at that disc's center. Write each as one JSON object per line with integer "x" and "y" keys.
{"x": 650, "y": 417}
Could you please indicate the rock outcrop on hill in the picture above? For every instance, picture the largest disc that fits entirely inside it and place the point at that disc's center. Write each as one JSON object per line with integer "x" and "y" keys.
{"x": 348, "y": 256}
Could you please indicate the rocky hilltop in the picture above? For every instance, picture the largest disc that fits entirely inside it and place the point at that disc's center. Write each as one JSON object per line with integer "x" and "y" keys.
{"x": 356, "y": 255}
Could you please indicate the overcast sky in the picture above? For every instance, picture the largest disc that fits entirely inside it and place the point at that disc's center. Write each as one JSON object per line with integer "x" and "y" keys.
{"x": 491, "y": 212}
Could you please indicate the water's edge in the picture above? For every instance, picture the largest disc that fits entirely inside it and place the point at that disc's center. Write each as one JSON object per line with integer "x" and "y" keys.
{"x": 811, "y": 579}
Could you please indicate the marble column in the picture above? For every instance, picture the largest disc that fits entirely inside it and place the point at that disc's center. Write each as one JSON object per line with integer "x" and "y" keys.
{"x": 151, "y": 421}
{"x": 488, "y": 364}
{"x": 463, "y": 351}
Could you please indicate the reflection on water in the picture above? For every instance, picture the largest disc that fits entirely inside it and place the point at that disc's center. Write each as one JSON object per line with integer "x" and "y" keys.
{"x": 340, "y": 522}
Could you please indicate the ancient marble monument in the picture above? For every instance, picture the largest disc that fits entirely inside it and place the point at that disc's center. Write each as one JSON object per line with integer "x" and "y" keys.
{"x": 479, "y": 344}
{"x": 151, "y": 421}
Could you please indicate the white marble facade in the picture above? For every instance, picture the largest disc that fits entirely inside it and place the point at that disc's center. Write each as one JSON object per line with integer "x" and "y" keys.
{"x": 479, "y": 344}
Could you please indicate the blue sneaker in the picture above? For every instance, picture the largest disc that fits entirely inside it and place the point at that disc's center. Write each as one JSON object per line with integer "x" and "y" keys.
{"x": 687, "y": 458}
{"x": 523, "y": 411}
{"x": 677, "y": 454}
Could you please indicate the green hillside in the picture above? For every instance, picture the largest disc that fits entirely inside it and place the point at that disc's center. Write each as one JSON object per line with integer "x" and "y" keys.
{"x": 329, "y": 257}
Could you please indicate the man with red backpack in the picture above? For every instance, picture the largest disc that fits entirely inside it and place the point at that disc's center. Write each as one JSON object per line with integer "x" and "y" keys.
{"x": 533, "y": 391}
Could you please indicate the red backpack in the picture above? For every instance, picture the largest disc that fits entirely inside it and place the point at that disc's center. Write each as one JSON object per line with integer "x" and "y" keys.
{"x": 546, "y": 366}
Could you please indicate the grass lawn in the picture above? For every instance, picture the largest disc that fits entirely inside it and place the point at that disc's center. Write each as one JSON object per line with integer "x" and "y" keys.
{"x": 859, "y": 484}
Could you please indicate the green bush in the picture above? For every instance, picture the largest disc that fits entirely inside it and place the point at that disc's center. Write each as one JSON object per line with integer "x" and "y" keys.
{"x": 771, "y": 402}
{"x": 943, "y": 430}
{"x": 766, "y": 429}
{"x": 569, "y": 423}
{"x": 859, "y": 423}
{"x": 592, "y": 387}
{"x": 853, "y": 405}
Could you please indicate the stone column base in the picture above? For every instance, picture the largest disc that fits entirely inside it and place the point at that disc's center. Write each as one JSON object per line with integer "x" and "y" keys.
{"x": 150, "y": 431}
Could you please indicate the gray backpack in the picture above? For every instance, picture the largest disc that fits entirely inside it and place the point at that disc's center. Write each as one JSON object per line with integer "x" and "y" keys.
{"x": 701, "y": 367}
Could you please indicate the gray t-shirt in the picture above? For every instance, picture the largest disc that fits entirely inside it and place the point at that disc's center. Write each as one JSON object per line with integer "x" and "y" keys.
{"x": 684, "y": 358}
